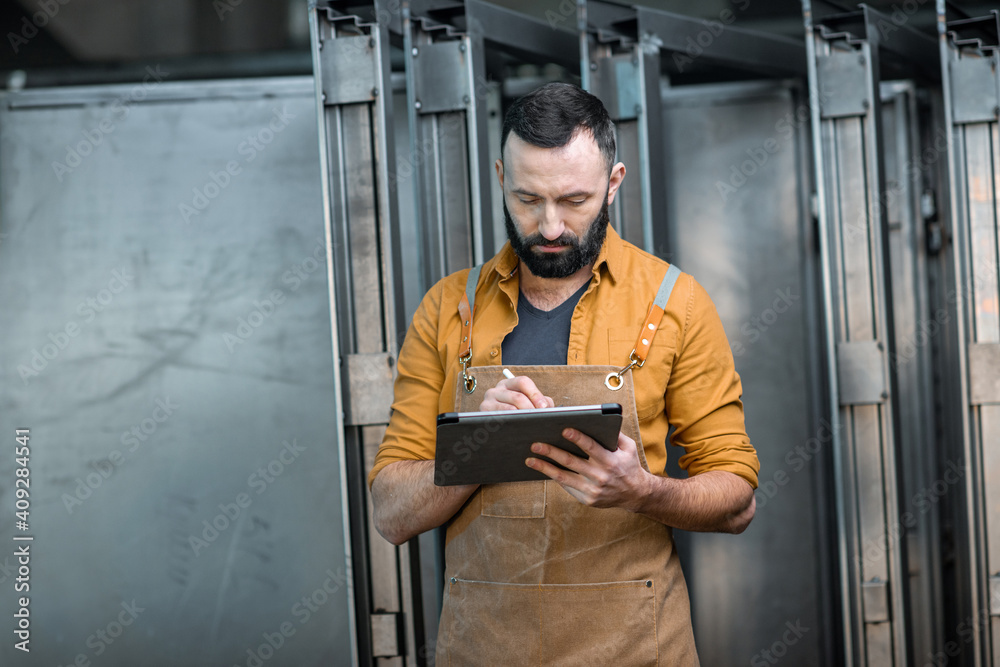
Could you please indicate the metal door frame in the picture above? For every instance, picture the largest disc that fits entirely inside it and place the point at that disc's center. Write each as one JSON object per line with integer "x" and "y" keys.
{"x": 844, "y": 52}
{"x": 353, "y": 97}
{"x": 970, "y": 59}
{"x": 622, "y": 55}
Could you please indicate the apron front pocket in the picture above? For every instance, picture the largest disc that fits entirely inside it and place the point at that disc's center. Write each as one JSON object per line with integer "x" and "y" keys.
{"x": 514, "y": 500}
{"x": 610, "y": 623}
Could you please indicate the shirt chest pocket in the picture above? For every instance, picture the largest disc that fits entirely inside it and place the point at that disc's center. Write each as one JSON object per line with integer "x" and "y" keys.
{"x": 650, "y": 380}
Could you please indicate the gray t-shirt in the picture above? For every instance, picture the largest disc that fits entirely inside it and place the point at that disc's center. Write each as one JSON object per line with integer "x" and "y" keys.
{"x": 541, "y": 338}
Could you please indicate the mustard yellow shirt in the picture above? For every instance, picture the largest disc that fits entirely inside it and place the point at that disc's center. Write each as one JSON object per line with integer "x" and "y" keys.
{"x": 689, "y": 380}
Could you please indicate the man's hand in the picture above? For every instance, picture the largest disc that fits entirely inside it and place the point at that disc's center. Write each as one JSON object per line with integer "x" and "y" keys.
{"x": 606, "y": 479}
{"x": 713, "y": 501}
{"x": 519, "y": 393}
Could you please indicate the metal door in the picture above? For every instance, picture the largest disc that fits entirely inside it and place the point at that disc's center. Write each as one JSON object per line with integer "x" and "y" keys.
{"x": 740, "y": 224}
{"x": 162, "y": 246}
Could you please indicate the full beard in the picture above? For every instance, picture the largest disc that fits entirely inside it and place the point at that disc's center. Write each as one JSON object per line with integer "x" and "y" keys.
{"x": 578, "y": 253}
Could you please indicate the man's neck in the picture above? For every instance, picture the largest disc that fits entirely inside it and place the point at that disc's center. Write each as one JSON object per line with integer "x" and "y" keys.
{"x": 549, "y": 293}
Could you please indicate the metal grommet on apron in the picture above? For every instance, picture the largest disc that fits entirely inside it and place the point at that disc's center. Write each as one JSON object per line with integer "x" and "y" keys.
{"x": 535, "y": 577}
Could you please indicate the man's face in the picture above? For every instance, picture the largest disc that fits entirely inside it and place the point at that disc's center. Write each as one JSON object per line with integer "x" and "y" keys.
{"x": 542, "y": 256}
{"x": 556, "y": 203}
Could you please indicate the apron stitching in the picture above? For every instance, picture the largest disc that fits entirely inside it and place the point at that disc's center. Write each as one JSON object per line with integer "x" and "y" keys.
{"x": 655, "y": 633}
{"x": 540, "y": 615}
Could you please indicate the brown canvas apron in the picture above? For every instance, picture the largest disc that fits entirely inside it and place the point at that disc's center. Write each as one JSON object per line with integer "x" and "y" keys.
{"x": 534, "y": 577}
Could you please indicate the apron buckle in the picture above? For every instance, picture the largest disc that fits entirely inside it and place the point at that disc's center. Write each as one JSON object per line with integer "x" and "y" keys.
{"x": 469, "y": 381}
{"x": 633, "y": 362}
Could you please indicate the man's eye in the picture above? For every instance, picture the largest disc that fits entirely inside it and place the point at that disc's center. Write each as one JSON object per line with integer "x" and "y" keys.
{"x": 528, "y": 201}
{"x": 576, "y": 202}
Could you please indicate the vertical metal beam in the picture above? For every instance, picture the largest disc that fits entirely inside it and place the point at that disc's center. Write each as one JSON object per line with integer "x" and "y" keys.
{"x": 446, "y": 97}
{"x": 970, "y": 70}
{"x": 908, "y": 207}
{"x": 353, "y": 89}
{"x": 844, "y": 95}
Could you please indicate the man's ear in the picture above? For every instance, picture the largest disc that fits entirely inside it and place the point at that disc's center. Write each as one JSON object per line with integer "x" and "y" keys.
{"x": 615, "y": 181}
{"x": 499, "y": 167}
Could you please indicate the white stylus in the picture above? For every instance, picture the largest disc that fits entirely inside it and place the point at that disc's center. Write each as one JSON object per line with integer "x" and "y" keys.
{"x": 507, "y": 374}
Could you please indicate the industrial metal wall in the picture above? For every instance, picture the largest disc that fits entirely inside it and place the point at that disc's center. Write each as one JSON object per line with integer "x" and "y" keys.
{"x": 163, "y": 249}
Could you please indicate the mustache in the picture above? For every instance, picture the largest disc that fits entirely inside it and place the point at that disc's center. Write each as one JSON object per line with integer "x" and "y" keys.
{"x": 538, "y": 239}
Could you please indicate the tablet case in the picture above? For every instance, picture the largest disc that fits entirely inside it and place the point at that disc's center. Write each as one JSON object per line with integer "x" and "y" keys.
{"x": 490, "y": 447}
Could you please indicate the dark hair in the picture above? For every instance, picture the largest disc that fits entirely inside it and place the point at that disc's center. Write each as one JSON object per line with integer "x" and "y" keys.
{"x": 549, "y": 116}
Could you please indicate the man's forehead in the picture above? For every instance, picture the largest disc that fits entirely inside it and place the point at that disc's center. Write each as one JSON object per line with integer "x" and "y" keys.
{"x": 582, "y": 142}
{"x": 578, "y": 160}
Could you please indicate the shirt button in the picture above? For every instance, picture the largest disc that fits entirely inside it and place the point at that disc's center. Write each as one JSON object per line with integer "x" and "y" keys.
{"x": 493, "y": 352}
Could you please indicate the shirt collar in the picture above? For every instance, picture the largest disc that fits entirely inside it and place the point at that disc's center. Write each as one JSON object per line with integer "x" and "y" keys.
{"x": 610, "y": 256}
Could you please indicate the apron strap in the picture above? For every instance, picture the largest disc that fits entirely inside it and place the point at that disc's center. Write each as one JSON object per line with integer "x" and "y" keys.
{"x": 638, "y": 355}
{"x": 655, "y": 315}
{"x": 466, "y": 308}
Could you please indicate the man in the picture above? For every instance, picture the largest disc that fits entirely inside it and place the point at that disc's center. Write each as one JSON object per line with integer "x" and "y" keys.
{"x": 580, "y": 569}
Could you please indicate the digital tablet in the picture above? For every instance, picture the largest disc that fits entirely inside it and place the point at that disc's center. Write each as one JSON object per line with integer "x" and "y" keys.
{"x": 490, "y": 447}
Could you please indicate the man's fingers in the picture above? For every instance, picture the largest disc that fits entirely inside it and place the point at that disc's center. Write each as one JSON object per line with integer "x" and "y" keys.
{"x": 515, "y": 398}
{"x": 562, "y": 457}
{"x": 590, "y": 447}
{"x": 524, "y": 385}
{"x": 576, "y": 485}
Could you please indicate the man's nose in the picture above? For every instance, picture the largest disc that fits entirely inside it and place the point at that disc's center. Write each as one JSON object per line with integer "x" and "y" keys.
{"x": 551, "y": 225}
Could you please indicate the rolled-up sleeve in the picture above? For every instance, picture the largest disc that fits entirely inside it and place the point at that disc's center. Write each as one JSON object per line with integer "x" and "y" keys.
{"x": 703, "y": 398}
{"x": 411, "y": 433}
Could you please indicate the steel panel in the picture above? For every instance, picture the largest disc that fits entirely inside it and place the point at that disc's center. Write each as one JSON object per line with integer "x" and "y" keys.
{"x": 842, "y": 84}
{"x": 974, "y": 90}
{"x": 750, "y": 247}
{"x": 982, "y": 211}
{"x": 349, "y": 77}
{"x": 164, "y": 336}
{"x": 440, "y": 76}
{"x": 860, "y": 373}
{"x": 984, "y": 373}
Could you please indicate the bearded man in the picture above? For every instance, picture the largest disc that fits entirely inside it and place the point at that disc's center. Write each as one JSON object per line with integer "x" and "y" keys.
{"x": 578, "y": 569}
